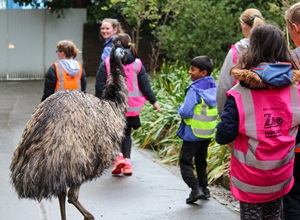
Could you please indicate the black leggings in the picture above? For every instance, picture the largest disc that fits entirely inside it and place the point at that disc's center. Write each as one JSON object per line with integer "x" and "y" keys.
{"x": 126, "y": 143}
{"x": 261, "y": 211}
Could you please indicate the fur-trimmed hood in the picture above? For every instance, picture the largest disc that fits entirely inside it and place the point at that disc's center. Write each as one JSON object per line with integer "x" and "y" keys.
{"x": 267, "y": 76}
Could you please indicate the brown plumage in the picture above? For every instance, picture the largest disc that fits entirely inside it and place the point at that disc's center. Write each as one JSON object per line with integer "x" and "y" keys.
{"x": 70, "y": 138}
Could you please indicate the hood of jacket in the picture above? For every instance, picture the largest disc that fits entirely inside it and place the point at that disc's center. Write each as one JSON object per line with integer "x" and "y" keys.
{"x": 70, "y": 66}
{"x": 267, "y": 76}
{"x": 207, "y": 89}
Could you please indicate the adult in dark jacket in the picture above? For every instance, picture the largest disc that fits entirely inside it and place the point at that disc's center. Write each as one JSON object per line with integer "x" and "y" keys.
{"x": 66, "y": 73}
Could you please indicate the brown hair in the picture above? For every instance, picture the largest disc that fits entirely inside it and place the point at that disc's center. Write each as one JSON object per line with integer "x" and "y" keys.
{"x": 126, "y": 43}
{"x": 68, "y": 47}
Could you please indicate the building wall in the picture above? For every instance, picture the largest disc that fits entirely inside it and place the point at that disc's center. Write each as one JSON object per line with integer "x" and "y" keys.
{"x": 28, "y": 39}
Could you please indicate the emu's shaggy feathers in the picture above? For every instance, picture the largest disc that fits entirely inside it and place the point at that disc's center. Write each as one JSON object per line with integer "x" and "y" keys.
{"x": 71, "y": 137}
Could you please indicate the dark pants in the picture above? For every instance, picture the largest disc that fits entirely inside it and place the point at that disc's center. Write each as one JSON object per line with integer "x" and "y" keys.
{"x": 261, "y": 211}
{"x": 132, "y": 123}
{"x": 127, "y": 143}
{"x": 291, "y": 201}
{"x": 194, "y": 153}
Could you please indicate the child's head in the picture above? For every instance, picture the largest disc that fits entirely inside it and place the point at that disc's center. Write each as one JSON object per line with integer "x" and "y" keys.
{"x": 267, "y": 44}
{"x": 249, "y": 19}
{"x": 292, "y": 18}
{"x": 110, "y": 27}
{"x": 200, "y": 66}
{"x": 126, "y": 43}
{"x": 68, "y": 48}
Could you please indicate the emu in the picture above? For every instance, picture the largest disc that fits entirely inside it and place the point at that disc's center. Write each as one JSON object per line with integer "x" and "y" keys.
{"x": 71, "y": 138}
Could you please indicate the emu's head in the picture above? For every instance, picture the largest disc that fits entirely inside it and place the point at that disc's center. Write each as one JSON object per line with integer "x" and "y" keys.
{"x": 117, "y": 57}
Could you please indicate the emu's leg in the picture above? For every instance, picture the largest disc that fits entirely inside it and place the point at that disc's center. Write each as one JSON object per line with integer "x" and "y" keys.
{"x": 62, "y": 205}
{"x": 73, "y": 199}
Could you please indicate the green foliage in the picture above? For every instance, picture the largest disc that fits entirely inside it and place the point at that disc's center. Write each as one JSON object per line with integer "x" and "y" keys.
{"x": 218, "y": 158}
{"x": 159, "y": 129}
{"x": 209, "y": 27}
{"x": 99, "y": 11}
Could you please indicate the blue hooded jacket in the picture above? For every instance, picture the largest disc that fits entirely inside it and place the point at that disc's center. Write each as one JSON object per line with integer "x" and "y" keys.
{"x": 204, "y": 87}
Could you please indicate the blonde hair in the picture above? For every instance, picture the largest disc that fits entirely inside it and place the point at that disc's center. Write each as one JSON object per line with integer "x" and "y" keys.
{"x": 252, "y": 17}
{"x": 68, "y": 47}
{"x": 292, "y": 15}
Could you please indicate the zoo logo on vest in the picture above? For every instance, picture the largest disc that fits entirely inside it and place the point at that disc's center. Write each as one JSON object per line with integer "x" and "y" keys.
{"x": 272, "y": 122}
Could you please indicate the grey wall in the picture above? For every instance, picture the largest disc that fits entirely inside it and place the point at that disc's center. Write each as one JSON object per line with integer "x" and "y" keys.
{"x": 34, "y": 34}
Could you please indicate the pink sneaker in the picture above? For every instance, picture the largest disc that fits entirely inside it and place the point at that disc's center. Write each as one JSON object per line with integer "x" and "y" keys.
{"x": 127, "y": 169}
{"x": 119, "y": 163}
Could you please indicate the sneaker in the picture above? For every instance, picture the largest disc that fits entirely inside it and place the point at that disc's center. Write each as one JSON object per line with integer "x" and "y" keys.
{"x": 206, "y": 192}
{"x": 127, "y": 169}
{"x": 119, "y": 163}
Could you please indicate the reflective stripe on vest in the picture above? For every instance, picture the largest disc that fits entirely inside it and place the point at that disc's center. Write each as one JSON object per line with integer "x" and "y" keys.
{"x": 64, "y": 81}
{"x": 263, "y": 127}
{"x": 250, "y": 159}
{"x": 259, "y": 189}
{"x": 204, "y": 120}
{"x": 136, "y": 99}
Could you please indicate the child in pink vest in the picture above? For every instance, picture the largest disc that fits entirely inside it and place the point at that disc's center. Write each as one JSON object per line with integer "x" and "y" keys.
{"x": 261, "y": 118}
{"x": 291, "y": 201}
{"x": 139, "y": 90}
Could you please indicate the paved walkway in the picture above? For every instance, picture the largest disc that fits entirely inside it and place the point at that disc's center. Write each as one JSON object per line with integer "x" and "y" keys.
{"x": 153, "y": 192}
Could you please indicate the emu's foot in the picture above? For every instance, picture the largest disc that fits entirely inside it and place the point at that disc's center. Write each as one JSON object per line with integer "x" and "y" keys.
{"x": 90, "y": 217}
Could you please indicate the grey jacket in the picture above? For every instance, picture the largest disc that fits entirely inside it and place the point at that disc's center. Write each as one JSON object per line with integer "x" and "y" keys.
{"x": 226, "y": 80}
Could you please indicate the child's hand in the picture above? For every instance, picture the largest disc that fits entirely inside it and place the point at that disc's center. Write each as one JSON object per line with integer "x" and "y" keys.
{"x": 156, "y": 106}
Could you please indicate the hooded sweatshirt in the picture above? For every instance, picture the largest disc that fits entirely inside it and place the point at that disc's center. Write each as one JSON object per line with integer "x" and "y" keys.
{"x": 204, "y": 87}
{"x": 226, "y": 80}
{"x": 70, "y": 66}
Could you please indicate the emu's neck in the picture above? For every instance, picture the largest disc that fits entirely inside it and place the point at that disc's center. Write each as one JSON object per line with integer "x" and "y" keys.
{"x": 116, "y": 89}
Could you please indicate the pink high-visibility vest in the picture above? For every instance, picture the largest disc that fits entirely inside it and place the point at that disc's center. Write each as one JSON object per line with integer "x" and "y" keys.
{"x": 136, "y": 99}
{"x": 261, "y": 165}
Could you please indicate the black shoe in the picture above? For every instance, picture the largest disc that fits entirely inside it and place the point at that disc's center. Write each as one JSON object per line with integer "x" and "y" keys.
{"x": 206, "y": 192}
{"x": 195, "y": 194}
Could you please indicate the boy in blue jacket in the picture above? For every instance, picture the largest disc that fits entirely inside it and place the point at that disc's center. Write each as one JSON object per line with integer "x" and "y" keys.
{"x": 199, "y": 119}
